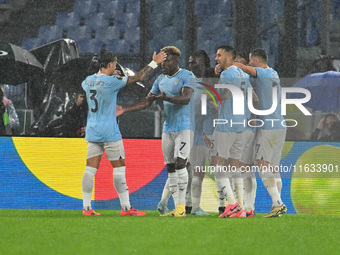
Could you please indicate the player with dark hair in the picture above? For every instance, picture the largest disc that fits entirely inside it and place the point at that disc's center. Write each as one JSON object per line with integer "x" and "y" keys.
{"x": 102, "y": 132}
{"x": 248, "y": 154}
{"x": 241, "y": 57}
{"x": 173, "y": 88}
{"x": 228, "y": 139}
{"x": 271, "y": 136}
{"x": 199, "y": 64}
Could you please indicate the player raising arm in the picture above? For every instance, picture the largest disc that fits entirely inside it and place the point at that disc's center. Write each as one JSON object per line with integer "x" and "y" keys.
{"x": 271, "y": 136}
{"x": 102, "y": 132}
{"x": 173, "y": 87}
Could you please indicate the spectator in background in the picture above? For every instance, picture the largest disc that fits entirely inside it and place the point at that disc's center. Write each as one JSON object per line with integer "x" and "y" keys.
{"x": 325, "y": 125}
{"x": 334, "y": 133}
{"x": 9, "y": 117}
{"x": 72, "y": 123}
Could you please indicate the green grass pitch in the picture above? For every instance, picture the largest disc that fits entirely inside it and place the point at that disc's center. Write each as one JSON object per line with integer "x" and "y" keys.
{"x": 68, "y": 232}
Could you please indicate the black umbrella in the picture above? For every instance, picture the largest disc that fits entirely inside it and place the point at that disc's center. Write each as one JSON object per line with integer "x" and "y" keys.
{"x": 17, "y": 65}
{"x": 70, "y": 75}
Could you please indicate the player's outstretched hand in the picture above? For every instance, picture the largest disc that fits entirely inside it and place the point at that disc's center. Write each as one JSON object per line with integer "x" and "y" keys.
{"x": 160, "y": 96}
{"x": 159, "y": 58}
{"x": 119, "y": 110}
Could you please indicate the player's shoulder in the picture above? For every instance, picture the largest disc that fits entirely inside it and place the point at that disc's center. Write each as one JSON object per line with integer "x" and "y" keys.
{"x": 90, "y": 77}
{"x": 230, "y": 71}
{"x": 119, "y": 78}
{"x": 187, "y": 73}
{"x": 266, "y": 72}
{"x": 244, "y": 74}
{"x": 247, "y": 75}
{"x": 233, "y": 68}
{"x": 273, "y": 72}
{"x": 160, "y": 77}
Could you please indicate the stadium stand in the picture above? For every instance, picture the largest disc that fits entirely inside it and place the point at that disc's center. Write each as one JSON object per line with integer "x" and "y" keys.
{"x": 67, "y": 19}
{"x": 90, "y": 45}
{"x": 50, "y": 33}
{"x": 97, "y": 21}
{"x": 112, "y": 21}
{"x": 105, "y": 21}
{"x": 78, "y": 33}
{"x": 108, "y": 34}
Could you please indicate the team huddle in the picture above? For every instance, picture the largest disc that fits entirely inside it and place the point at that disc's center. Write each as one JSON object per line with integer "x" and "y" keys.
{"x": 195, "y": 130}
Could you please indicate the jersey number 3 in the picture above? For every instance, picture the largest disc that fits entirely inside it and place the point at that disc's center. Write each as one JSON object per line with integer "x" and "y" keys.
{"x": 93, "y": 97}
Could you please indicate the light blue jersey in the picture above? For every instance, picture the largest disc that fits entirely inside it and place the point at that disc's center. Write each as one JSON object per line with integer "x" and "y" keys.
{"x": 266, "y": 80}
{"x": 246, "y": 108}
{"x": 101, "y": 94}
{"x": 177, "y": 116}
{"x": 196, "y": 117}
{"x": 236, "y": 123}
{"x": 202, "y": 123}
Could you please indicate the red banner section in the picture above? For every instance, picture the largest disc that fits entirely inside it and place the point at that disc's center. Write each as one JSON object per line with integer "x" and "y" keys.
{"x": 144, "y": 161}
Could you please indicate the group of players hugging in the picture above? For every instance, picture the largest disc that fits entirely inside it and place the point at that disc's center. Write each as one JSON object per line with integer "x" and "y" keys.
{"x": 208, "y": 121}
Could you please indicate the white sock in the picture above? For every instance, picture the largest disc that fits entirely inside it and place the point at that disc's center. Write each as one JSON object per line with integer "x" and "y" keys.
{"x": 223, "y": 186}
{"x": 188, "y": 201}
{"x": 87, "y": 183}
{"x": 278, "y": 181}
{"x": 270, "y": 184}
{"x": 238, "y": 184}
{"x": 173, "y": 186}
{"x": 122, "y": 189}
{"x": 221, "y": 198}
{"x": 182, "y": 175}
{"x": 166, "y": 192}
{"x": 196, "y": 192}
{"x": 250, "y": 185}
